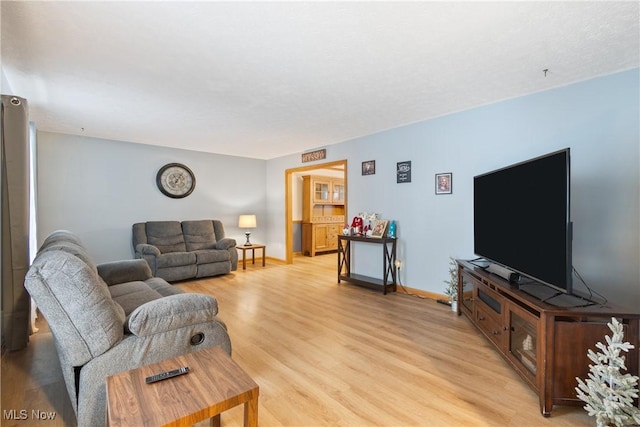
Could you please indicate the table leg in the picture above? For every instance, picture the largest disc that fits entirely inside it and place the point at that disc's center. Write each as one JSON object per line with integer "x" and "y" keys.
{"x": 264, "y": 254}
{"x": 253, "y": 256}
{"x": 214, "y": 421}
{"x": 251, "y": 413}
{"x": 244, "y": 259}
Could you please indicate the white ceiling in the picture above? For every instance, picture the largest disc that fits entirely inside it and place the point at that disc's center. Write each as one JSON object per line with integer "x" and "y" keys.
{"x": 267, "y": 79}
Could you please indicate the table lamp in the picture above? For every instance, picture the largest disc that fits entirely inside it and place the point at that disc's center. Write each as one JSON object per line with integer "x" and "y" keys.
{"x": 247, "y": 221}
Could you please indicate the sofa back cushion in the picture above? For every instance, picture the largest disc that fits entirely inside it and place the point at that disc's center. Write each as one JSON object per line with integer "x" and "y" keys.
{"x": 166, "y": 236}
{"x": 218, "y": 229}
{"x": 64, "y": 240}
{"x": 199, "y": 235}
{"x": 76, "y": 304}
{"x": 61, "y": 235}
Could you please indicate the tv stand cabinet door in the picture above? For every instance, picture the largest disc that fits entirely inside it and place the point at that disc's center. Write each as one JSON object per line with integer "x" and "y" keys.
{"x": 571, "y": 342}
{"x": 466, "y": 290}
{"x": 524, "y": 347}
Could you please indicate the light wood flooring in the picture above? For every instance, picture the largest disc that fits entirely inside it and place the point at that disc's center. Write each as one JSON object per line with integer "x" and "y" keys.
{"x": 329, "y": 354}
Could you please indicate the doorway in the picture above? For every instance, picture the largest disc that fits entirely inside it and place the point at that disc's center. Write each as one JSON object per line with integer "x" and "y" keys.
{"x": 339, "y": 166}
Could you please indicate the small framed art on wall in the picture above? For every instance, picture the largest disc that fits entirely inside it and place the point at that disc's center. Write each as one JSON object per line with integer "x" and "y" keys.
{"x": 444, "y": 183}
{"x": 369, "y": 167}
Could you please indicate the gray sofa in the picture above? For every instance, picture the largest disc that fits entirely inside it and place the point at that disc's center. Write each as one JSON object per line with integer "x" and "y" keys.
{"x": 185, "y": 250}
{"x": 113, "y": 317}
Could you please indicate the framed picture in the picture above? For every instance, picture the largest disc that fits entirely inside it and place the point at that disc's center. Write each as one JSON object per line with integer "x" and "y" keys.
{"x": 444, "y": 183}
{"x": 369, "y": 167}
{"x": 403, "y": 172}
{"x": 379, "y": 229}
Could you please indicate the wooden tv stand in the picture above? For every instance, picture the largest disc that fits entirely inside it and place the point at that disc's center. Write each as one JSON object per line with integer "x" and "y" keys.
{"x": 546, "y": 344}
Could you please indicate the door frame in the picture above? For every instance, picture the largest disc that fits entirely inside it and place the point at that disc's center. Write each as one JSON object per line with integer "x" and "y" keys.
{"x": 288, "y": 184}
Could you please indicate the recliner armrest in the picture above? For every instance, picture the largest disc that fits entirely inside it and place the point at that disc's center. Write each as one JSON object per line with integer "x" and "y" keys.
{"x": 226, "y": 243}
{"x": 147, "y": 249}
{"x": 171, "y": 312}
{"x": 116, "y": 272}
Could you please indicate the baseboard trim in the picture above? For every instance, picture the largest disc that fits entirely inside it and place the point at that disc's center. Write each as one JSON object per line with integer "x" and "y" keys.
{"x": 421, "y": 293}
{"x": 400, "y": 288}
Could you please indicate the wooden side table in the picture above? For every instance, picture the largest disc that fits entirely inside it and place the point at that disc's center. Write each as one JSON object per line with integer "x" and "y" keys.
{"x": 214, "y": 384}
{"x": 252, "y": 247}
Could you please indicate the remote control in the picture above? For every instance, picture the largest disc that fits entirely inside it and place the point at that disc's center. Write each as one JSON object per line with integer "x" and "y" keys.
{"x": 168, "y": 374}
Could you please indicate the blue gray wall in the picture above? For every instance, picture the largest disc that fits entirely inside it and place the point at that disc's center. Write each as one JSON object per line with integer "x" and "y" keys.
{"x": 99, "y": 188}
{"x": 598, "y": 119}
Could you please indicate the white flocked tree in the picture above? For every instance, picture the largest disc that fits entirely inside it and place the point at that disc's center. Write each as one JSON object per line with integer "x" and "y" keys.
{"x": 608, "y": 392}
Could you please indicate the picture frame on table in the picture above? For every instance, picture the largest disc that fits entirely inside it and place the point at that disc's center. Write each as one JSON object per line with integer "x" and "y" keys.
{"x": 444, "y": 183}
{"x": 379, "y": 228}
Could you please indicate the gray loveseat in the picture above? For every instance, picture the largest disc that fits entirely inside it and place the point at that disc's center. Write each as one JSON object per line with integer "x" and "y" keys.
{"x": 185, "y": 250}
{"x": 113, "y": 317}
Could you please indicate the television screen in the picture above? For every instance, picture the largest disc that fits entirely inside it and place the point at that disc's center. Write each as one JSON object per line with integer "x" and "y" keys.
{"x": 521, "y": 218}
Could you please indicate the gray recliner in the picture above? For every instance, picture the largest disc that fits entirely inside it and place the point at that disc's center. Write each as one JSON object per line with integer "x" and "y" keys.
{"x": 185, "y": 250}
{"x": 113, "y": 317}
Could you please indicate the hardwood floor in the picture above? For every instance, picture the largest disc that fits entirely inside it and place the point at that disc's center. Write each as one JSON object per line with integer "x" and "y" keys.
{"x": 328, "y": 354}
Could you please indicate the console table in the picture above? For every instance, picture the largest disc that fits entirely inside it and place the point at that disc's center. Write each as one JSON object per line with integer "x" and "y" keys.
{"x": 388, "y": 281}
{"x": 546, "y": 344}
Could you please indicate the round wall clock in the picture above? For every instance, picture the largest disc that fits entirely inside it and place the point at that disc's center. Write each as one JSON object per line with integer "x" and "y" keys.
{"x": 175, "y": 180}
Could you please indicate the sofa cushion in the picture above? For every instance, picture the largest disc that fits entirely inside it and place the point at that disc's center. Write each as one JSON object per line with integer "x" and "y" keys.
{"x": 166, "y": 236}
{"x": 77, "y": 305}
{"x": 199, "y": 235}
{"x": 162, "y": 287}
{"x": 174, "y": 274}
{"x": 131, "y": 295}
{"x": 176, "y": 259}
{"x": 213, "y": 269}
{"x": 209, "y": 256}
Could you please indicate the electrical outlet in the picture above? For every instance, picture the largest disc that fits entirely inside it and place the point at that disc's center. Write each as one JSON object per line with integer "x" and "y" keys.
{"x": 398, "y": 264}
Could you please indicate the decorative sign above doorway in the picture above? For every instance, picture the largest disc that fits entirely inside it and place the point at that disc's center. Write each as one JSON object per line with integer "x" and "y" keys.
{"x": 314, "y": 155}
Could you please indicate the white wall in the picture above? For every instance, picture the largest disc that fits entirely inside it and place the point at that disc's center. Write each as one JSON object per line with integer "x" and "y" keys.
{"x": 99, "y": 188}
{"x": 5, "y": 88}
{"x": 598, "y": 119}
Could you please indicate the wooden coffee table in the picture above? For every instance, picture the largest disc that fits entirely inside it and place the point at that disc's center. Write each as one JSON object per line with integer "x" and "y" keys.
{"x": 214, "y": 384}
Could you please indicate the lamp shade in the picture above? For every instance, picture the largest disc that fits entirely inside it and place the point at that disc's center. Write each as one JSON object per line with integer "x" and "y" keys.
{"x": 247, "y": 221}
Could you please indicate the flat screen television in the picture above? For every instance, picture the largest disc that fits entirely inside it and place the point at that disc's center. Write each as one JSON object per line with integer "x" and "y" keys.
{"x": 522, "y": 219}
